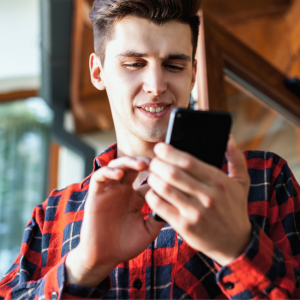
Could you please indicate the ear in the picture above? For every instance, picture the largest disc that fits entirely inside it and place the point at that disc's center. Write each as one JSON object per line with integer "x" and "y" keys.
{"x": 96, "y": 72}
{"x": 195, "y": 66}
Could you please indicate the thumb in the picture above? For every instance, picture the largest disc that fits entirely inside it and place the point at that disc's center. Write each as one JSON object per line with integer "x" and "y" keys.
{"x": 153, "y": 227}
{"x": 142, "y": 190}
{"x": 237, "y": 166}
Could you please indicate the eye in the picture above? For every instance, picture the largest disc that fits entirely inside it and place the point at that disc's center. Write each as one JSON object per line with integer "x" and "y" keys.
{"x": 134, "y": 65}
{"x": 174, "y": 67}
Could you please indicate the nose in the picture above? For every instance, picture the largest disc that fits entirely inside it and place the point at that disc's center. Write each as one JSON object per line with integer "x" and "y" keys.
{"x": 155, "y": 82}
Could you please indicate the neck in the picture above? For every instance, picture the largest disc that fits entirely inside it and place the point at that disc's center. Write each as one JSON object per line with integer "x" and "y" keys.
{"x": 134, "y": 147}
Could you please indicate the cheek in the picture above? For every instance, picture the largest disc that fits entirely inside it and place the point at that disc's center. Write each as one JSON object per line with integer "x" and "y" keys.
{"x": 181, "y": 90}
{"x": 125, "y": 85}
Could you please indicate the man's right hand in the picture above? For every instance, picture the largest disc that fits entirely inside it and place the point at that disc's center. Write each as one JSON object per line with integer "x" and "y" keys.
{"x": 113, "y": 228}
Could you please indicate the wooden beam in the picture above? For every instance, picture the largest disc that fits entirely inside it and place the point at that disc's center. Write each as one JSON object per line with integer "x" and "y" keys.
{"x": 214, "y": 69}
{"x": 202, "y": 88}
{"x": 223, "y": 49}
{"x": 86, "y": 8}
{"x": 18, "y": 95}
{"x": 53, "y": 167}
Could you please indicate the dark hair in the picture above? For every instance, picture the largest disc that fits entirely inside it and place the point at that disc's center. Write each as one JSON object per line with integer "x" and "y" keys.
{"x": 105, "y": 13}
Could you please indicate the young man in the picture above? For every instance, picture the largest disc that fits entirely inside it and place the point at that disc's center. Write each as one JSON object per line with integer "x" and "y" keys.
{"x": 97, "y": 240}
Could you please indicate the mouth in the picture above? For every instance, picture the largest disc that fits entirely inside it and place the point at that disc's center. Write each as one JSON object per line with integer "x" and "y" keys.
{"x": 155, "y": 111}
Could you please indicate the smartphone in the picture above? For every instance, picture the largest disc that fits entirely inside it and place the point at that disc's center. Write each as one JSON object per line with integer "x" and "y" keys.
{"x": 203, "y": 134}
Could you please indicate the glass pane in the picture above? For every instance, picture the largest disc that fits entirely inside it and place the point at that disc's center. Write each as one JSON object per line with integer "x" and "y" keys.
{"x": 259, "y": 127}
{"x": 24, "y": 141}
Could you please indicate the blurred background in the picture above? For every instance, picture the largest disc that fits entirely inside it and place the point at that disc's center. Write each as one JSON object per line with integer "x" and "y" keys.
{"x": 53, "y": 122}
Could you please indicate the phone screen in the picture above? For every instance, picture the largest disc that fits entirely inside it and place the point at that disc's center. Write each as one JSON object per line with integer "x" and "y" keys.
{"x": 204, "y": 134}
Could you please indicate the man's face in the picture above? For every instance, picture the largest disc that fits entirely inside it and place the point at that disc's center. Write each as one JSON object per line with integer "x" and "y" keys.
{"x": 148, "y": 71}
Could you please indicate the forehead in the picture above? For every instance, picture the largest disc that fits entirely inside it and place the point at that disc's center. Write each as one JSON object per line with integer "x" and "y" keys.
{"x": 141, "y": 35}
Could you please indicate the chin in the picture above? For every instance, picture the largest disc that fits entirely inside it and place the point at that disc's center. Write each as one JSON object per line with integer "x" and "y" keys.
{"x": 154, "y": 140}
{"x": 153, "y": 137}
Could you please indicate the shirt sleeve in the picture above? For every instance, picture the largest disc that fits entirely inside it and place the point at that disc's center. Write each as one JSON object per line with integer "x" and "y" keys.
{"x": 269, "y": 268}
{"x": 25, "y": 281}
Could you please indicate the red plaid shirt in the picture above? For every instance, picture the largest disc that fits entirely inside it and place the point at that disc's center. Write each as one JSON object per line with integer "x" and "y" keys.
{"x": 169, "y": 268}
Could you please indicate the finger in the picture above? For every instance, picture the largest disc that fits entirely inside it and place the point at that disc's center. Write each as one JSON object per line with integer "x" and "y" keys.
{"x": 197, "y": 168}
{"x": 237, "y": 166}
{"x": 178, "y": 178}
{"x": 128, "y": 163}
{"x": 162, "y": 208}
{"x": 129, "y": 177}
{"x": 184, "y": 203}
{"x": 101, "y": 176}
{"x": 131, "y": 165}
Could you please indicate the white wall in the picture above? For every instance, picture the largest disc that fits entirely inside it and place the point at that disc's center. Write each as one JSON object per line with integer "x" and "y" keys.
{"x": 71, "y": 165}
{"x": 19, "y": 44}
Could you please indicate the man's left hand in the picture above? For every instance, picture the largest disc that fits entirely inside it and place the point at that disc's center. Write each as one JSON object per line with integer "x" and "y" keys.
{"x": 204, "y": 205}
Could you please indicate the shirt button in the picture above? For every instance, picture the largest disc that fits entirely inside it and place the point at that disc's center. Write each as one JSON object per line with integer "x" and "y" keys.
{"x": 54, "y": 296}
{"x": 137, "y": 284}
{"x": 229, "y": 285}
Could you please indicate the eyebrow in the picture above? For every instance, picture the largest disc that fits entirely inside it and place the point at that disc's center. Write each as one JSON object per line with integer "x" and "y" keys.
{"x": 175, "y": 56}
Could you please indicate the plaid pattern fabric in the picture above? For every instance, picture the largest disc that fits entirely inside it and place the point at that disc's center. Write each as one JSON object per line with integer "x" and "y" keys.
{"x": 169, "y": 268}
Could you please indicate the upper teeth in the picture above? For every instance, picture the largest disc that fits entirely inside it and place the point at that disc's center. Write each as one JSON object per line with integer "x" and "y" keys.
{"x": 154, "y": 109}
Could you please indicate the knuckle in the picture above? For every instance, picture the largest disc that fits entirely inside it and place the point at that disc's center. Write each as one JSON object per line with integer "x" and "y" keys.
{"x": 192, "y": 218}
{"x": 209, "y": 204}
{"x": 195, "y": 217}
{"x": 164, "y": 188}
{"x": 188, "y": 225}
{"x": 221, "y": 183}
{"x": 185, "y": 225}
{"x": 186, "y": 163}
{"x": 208, "y": 201}
{"x": 173, "y": 174}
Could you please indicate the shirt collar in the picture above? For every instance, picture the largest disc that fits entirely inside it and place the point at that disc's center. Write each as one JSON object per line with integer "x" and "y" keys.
{"x": 101, "y": 161}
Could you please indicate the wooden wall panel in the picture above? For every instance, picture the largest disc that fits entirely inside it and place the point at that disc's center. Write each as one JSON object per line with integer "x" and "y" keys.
{"x": 293, "y": 32}
{"x": 274, "y": 33}
{"x": 18, "y": 95}
{"x": 90, "y": 106}
{"x": 266, "y": 36}
{"x": 239, "y": 10}
{"x": 86, "y": 87}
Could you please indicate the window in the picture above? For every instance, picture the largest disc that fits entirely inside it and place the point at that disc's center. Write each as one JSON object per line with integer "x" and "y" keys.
{"x": 24, "y": 143}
